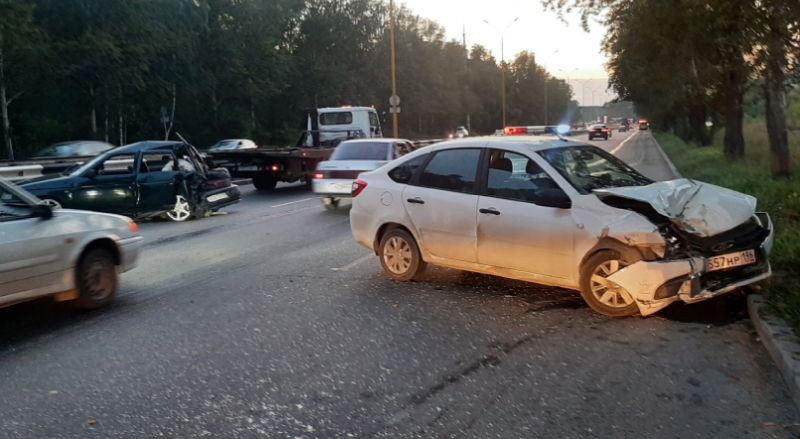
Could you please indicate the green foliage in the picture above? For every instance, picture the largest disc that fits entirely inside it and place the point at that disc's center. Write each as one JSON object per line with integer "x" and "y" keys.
{"x": 109, "y": 69}
{"x": 779, "y": 197}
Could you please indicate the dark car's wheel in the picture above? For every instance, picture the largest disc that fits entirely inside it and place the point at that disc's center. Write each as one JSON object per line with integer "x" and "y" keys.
{"x": 602, "y": 295}
{"x": 400, "y": 256}
{"x": 264, "y": 183}
{"x": 96, "y": 278}
{"x": 182, "y": 210}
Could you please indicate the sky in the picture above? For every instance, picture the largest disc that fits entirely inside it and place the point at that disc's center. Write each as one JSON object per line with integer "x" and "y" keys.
{"x": 564, "y": 48}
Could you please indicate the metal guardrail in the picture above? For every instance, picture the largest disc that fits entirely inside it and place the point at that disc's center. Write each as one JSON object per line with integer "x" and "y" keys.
{"x": 24, "y": 172}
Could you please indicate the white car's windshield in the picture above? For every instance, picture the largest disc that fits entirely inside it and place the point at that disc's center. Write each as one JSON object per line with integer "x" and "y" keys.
{"x": 361, "y": 151}
{"x": 14, "y": 202}
{"x": 588, "y": 168}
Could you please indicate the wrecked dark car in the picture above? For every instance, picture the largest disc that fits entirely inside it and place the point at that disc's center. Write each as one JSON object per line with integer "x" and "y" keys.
{"x": 141, "y": 180}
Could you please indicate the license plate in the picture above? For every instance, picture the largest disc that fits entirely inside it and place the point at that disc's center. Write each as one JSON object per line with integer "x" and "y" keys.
{"x": 248, "y": 168}
{"x": 731, "y": 260}
{"x": 216, "y": 197}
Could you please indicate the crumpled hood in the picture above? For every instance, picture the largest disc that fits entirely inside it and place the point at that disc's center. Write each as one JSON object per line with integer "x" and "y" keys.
{"x": 699, "y": 208}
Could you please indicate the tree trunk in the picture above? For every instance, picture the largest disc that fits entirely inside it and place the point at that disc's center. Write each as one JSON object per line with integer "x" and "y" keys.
{"x": 172, "y": 112}
{"x": 93, "y": 115}
{"x": 119, "y": 128}
{"x": 4, "y": 106}
{"x": 697, "y": 124}
{"x": 775, "y": 102}
{"x": 734, "y": 115}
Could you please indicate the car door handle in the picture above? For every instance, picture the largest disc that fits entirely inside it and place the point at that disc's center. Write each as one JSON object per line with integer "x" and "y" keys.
{"x": 416, "y": 200}
{"x": 490, "y": 211}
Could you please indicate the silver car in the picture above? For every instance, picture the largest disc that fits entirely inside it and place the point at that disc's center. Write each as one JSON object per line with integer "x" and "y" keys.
{"x": 334, "y": 178}
{"x": 558, "y": 212}
{"x": 71, "y": 255}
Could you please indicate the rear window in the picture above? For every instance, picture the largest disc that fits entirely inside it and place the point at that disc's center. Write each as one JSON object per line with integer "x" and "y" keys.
{"x": 362, "y": 151}
{"x": 337, "y": 118}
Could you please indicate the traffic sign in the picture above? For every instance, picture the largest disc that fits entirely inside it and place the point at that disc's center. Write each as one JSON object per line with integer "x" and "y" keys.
{"x": 394, "y": 100}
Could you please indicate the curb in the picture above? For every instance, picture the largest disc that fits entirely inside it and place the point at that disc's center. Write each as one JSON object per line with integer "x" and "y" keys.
{"x": 779, "y": 339}
{"x": 666, "y": 159}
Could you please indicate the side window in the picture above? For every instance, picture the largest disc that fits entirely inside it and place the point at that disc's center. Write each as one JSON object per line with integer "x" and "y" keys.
{"x": 155, "y": 161}
{"x": 452, "y": 170}
{"x": 403, "y": 173}
{"x": 336, "y": 118}
{"x": 515, "y": 177}
{"x": 117, "y": 165}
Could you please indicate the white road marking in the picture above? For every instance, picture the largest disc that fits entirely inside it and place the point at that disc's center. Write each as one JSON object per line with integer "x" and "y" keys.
{"x": 294, "y": 202}
{"x": 614, "y": 151}
{"x": 358, "y": 261}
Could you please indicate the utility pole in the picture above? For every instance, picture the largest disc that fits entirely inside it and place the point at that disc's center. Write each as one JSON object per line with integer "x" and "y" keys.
{"x": 466, "y": 66}
{"x": 395, "y": 108}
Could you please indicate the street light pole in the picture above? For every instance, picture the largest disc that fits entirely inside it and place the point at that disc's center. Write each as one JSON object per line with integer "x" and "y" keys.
{"x": 503, "y": 67}
{"x": 545, "y": 85}
{"x": 395, "y": 108}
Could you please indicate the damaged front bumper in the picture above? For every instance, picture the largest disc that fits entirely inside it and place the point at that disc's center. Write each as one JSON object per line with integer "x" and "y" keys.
{"x": 656, "y": 284}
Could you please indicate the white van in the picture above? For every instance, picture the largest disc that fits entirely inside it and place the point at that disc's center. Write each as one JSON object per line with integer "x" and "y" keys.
{"x": 334, "y": 124}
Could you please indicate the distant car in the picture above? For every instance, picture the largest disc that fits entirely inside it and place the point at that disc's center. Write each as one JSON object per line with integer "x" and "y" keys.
{"x": 558, "y": 212}
{"x": 66, "y": 254}
{"x": 334, "y": 178}
{"x": 233, "y": 145}
{"x": 77, "y": 148}
{"x": 140, "y": 180}
{"x": 644, "y": 125}
{"x": 599, "y": 131}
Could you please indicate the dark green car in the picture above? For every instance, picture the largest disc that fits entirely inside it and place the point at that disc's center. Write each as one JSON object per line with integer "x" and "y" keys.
{"x": 140, "y": 180}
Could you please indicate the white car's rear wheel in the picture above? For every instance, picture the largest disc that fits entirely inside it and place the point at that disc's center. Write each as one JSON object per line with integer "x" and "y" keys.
{"x": 602, "y": 295}
{"x": 400, "y": 256}
{"x": 182, "y": 210}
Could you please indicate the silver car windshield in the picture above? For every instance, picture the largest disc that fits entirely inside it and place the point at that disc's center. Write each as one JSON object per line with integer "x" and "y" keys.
{"x": 14, "y": 201}
{"x": 362, "y": 151}
{"x": 588, "y": 168}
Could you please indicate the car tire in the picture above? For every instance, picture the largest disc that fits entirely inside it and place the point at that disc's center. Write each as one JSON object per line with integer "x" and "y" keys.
{"x": 333, "y": 204}
{"x": 614, "y": 302}
{"x": 264, "y": 183}
{"x": 400, "y": 257}
{"x": 182, "y": 211}
{"x": 96, "y": 279}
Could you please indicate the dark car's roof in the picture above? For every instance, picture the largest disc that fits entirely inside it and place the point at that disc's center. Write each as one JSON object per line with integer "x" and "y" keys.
{"x": 147, "y": 145}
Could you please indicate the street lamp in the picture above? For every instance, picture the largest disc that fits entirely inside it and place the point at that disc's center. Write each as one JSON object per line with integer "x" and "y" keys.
{"x": 503, "y": 66}
{"x": 544, "y": 64}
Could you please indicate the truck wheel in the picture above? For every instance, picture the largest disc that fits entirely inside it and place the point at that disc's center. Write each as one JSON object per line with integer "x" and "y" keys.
{"x": 264, "y": 183}
{"x": 602, "y": 296}
{"x": 96, "y": 279}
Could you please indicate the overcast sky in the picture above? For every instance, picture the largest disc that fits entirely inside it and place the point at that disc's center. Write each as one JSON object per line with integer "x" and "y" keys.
{"x": 565, "y": 49}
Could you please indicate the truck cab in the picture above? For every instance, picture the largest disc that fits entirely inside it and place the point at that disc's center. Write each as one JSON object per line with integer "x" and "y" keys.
{"x": 329, "y": 126}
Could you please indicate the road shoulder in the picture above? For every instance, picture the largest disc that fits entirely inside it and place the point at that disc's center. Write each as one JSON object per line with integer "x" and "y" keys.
{"x": 780, "y": 341}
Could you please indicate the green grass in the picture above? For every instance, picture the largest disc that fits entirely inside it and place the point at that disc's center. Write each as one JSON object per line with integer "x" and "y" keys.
{"x": 779, "y": 197}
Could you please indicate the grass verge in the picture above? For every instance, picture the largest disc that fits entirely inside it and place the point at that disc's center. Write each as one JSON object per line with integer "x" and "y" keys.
{"x": 779, "y": 197}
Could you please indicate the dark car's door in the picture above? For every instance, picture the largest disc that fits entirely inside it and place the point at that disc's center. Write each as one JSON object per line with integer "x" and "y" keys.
{"x": 110, "y": 186}
{"x": 157, "y": 187}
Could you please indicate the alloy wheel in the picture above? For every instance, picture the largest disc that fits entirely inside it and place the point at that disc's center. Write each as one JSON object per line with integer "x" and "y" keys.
{"x": 605, "y": 291}
{"x": 182, "y": 211}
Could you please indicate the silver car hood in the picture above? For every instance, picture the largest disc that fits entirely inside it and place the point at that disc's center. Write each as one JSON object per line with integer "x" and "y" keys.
{"x": 699, "y": 208}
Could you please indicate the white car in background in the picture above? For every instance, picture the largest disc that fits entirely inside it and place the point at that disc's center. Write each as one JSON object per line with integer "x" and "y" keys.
{"x": 233, "y": 145}
{"x": 334, "y": 178}
{"x": 557, "y": 212}
{"x": 71, "y": 255}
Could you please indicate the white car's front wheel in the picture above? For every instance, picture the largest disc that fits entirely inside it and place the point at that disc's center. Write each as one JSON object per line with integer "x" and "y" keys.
{"x": 602, "y": 295}
{"x": 182, "y": 210}
{"x": 96, "y": 278}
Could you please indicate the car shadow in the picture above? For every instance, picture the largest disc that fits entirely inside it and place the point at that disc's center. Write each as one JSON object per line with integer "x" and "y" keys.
{"x": 26, "y": 321}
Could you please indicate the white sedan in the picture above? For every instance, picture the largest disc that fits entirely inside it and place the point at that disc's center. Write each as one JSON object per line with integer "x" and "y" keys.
{"x": 70, "y": 255}
{"x": 560, "y": 213}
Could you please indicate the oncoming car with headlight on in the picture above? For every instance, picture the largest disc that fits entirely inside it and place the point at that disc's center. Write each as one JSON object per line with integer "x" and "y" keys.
{"x": 557, "y": 212}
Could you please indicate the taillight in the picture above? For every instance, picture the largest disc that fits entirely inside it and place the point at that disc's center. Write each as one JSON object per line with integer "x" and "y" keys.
{"x": 133, "y": 227}
{"x": 358, "y": 187}
{"x": 275, "y": 168}
{"x": 515, "y": 131}
{"x": 319, "y": 176}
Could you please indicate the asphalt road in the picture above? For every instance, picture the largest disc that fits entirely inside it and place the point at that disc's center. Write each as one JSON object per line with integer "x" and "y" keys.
{"x": 271, "y": 322}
